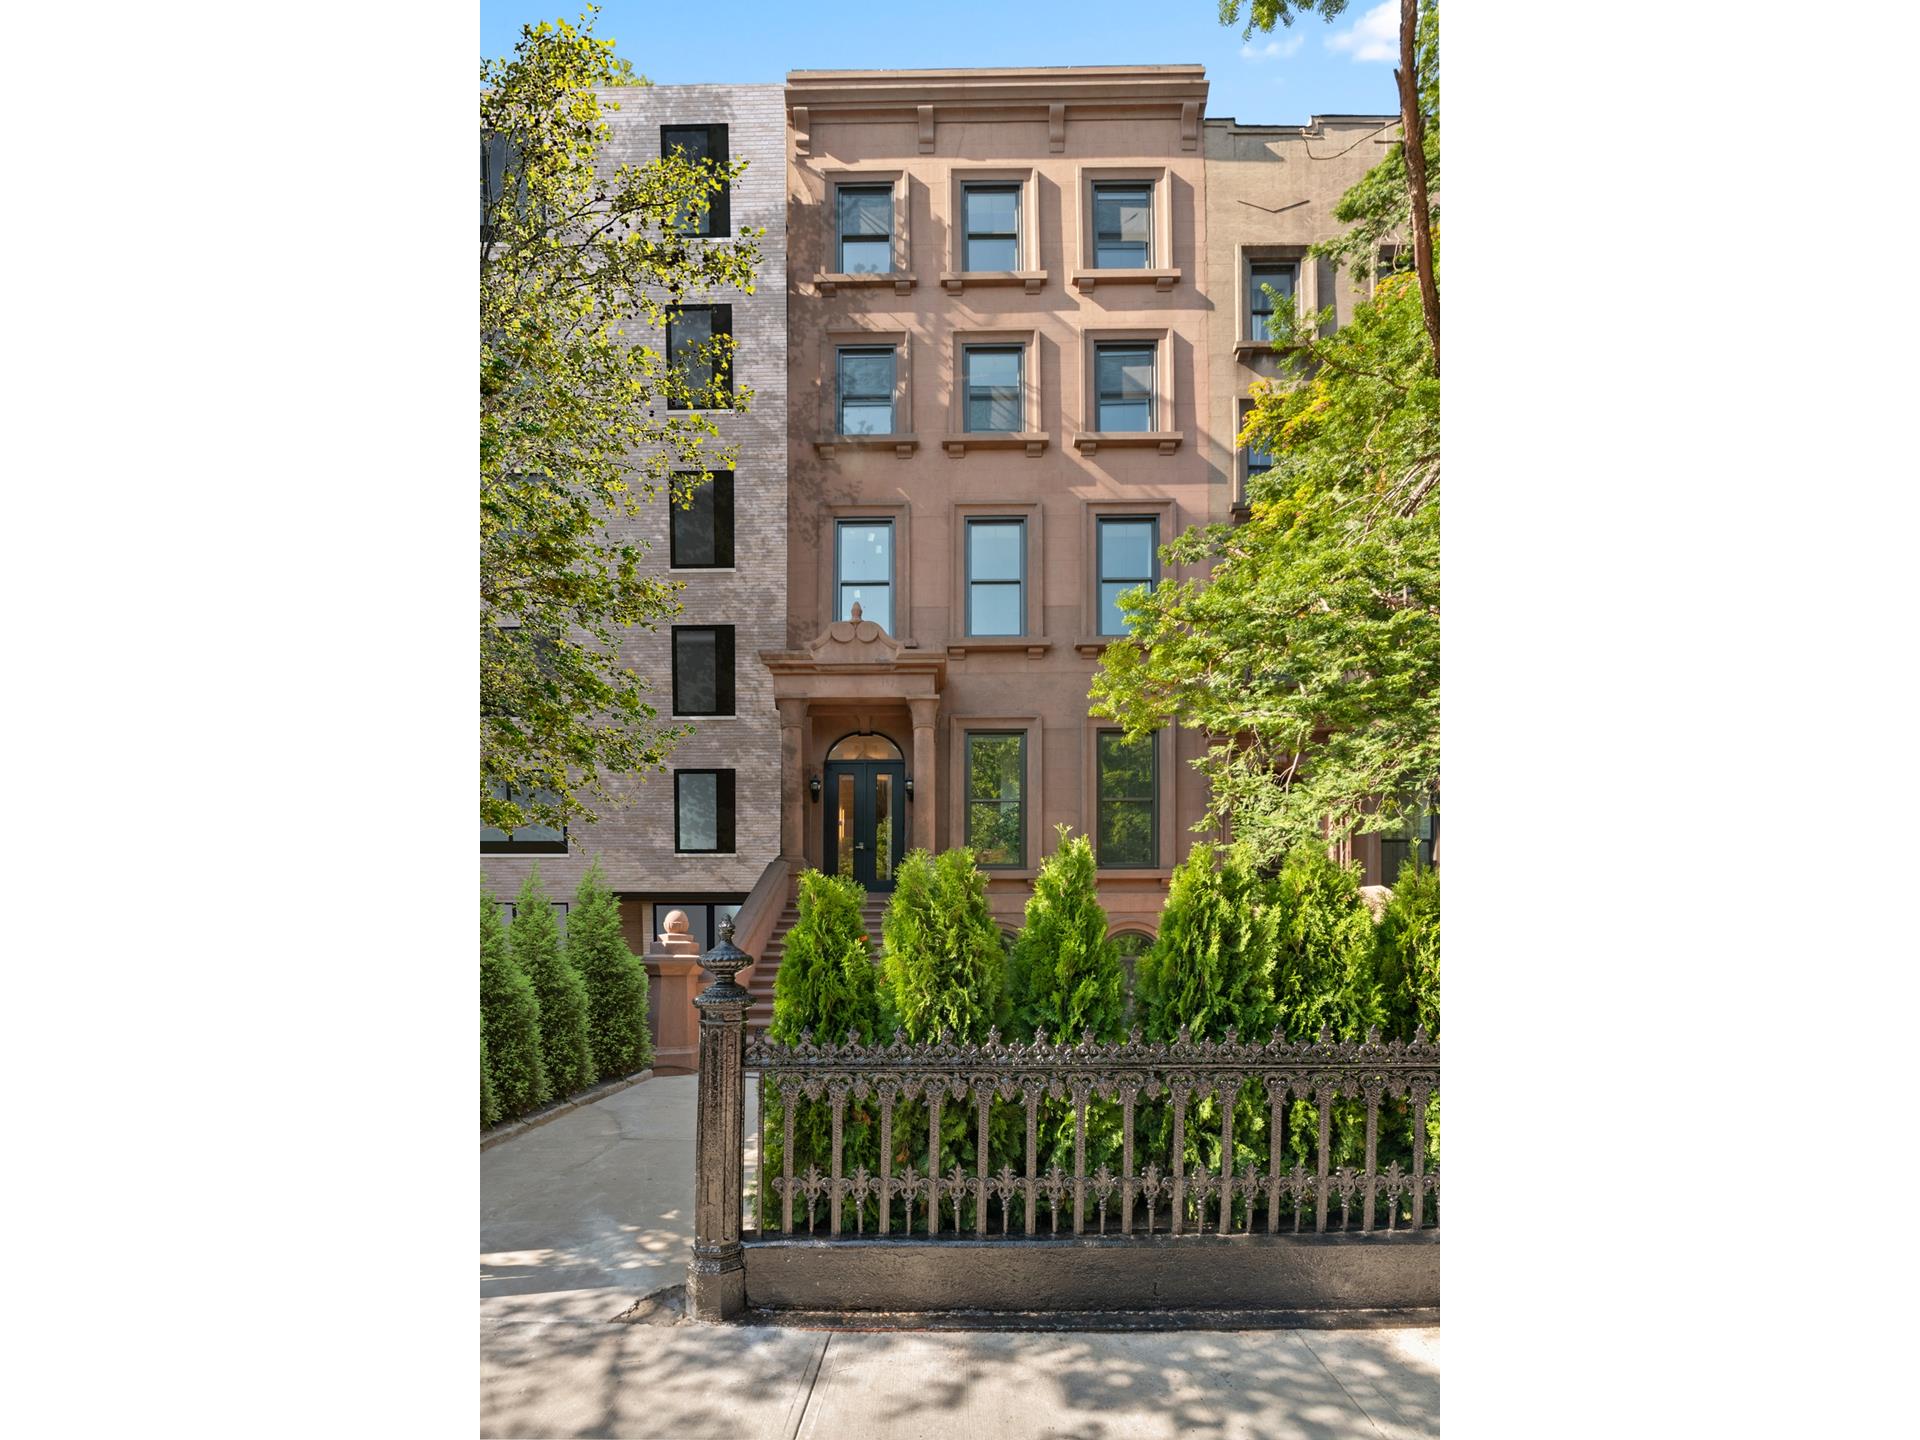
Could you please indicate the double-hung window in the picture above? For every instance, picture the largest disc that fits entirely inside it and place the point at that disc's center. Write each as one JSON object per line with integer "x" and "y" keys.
{"x": 863, "y": 566}
{"x": 1128, "y": 549}
{"x": 1262, "y": 276}
{"x": 1126, "y": 830}
{"x": 529, "y": 839}
{"x": 996, "y": 797}
{"x": 702, "y": 143}
{"x": 692, "y": 352}
{"x": 703, "y": 670}
{"x": 993, "y": 388}
{"x": 865, "y": 229}
{"x": 1417, "y": 838}
{"x": 1122, "y": 225}
{"x": 1124, "y": 379}
{"x": 993, "y": 227}
{"x": 996, "y": 577}
{"x": 703, "y": 811}
{"x": 701, "y": 534}
{"x": 866, "y": 390}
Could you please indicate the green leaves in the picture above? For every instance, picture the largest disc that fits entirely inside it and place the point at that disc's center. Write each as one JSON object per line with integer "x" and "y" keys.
{"x": 1065, "y": 973}
{"x": 944, "y": 966}
{"x": 580, "y": 264}
{"x": 615, "y": 979}
{"x": 826, "y": 982}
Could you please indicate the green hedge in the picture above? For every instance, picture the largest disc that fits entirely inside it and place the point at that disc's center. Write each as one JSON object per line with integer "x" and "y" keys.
{"x": 534, "y": 938}
{"x": 615, "y": 979}
{"x": 1064, "y": 975}
{"x": 509, "y": 1024}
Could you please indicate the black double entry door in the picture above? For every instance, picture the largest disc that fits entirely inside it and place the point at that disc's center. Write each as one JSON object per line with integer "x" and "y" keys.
{"x": 866, "y": 820}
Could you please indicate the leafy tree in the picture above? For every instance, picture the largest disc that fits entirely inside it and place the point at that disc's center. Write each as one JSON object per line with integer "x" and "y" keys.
{"x": 534, "y": 938}
{"x": 827, "y": 982}
{"x": 1407, "y": 953}
{"x": 509, "y": 1024}
{"x": 1210, "y": 968}
{"x": 1323, "y": 959}
{"x": 579, "y": 265}
{"x": 616, "y": 978}
{"x": 1065, "y": 974}
{"x": 943, "y": 966}
{"x": 1310, "y": 654}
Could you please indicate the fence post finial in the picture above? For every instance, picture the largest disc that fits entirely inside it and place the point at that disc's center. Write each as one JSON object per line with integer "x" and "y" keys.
{"x": 717, "y": 1278}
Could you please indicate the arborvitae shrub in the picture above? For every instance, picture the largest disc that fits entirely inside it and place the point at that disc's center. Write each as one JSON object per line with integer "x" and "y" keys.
{"x": 944, "y": 966}
{"x": 1407, "y": 953}
{"x": 564, "y": 1042}
{"x": 615, "y": 978}
{"x": 827, "y": 984}
{"x": 1211, "y": 965}
{"x": 1065, "y": 975}
{"x": 509, "y": 1022}
{"x": 489, "y": 1106}
{"x": 1323, "y": 966}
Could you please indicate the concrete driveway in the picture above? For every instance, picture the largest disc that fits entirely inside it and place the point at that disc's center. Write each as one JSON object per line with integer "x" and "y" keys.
{"x": 583, "y": 1217}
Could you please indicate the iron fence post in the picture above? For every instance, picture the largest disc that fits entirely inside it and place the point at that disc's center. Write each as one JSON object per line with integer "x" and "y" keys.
{"x": 717, "y": 1278}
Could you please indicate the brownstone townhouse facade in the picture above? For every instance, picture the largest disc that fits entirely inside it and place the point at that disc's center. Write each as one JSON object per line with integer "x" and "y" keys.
{"x": 1003, "y": 342}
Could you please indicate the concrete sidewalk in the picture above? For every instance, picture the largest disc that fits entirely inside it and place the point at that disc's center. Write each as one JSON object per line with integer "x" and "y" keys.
{"x": 586, "y": 1215}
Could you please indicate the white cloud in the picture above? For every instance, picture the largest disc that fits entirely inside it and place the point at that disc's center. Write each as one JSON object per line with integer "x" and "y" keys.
{"x": 1279, "y": 47}
{"x": 1374, "y": 36}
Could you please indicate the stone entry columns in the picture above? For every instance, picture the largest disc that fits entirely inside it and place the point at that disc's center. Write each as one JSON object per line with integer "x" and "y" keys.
{"x": 793, "y": 780}
{"x": 925, "y": 768}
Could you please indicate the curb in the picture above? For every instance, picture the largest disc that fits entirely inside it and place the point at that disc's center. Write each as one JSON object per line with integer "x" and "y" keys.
{"x": 500, "y": 1134}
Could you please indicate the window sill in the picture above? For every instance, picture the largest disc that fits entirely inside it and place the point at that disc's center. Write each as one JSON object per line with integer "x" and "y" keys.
{"x": 1034, "y": 442}
{"x": 955, "y": 281}
{"x": 957, "y": 649}
{"x": 1094, "y": 644}
{"x": 827, "y": 284}
{"x": 1131, "y": 872}
{"x": 1161, "y": 280}
{"x": 1245, "y": 350}
{"x": 902, "y": 443}
{"x": 702, "y": 569}
{"x": 1166, "y": 441}
{"x": 705, "y": 855}
{"x": 681, "y": 715}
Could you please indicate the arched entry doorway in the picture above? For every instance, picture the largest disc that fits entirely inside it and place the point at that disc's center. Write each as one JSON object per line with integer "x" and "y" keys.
{"x": 866, "y": 810}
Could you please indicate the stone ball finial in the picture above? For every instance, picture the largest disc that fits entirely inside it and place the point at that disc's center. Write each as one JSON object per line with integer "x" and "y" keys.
{"x": 675, "y": 923}
{"x": 854, "y": 615}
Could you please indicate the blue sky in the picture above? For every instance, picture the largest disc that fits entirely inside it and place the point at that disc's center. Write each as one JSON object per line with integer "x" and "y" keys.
{"x": 1312, "y": 68}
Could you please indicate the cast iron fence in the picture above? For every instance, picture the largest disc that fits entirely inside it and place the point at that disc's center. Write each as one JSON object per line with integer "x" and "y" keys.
{"x": 1169, "y": 1195}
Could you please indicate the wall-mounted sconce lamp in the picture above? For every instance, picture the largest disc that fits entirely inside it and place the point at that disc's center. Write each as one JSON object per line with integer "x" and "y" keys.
{"x": 909, "y": 787}
{"x": 813, "y": 788}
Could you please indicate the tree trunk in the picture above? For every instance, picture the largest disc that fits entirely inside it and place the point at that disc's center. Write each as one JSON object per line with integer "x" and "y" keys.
{"x": 1415, "y": 148}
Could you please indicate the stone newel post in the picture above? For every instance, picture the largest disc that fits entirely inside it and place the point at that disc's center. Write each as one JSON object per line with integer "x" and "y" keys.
{"x": 717, "y": 1279}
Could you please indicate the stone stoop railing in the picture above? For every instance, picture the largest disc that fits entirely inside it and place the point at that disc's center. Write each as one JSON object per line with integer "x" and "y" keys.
{"x": 1145, "y": 1230}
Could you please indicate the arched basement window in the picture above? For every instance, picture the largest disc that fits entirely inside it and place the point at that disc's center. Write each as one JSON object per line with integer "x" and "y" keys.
{"x": 865, "y": 747}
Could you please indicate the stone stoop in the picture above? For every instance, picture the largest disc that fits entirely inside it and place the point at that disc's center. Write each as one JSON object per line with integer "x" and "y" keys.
{"x": 767, "y": 965}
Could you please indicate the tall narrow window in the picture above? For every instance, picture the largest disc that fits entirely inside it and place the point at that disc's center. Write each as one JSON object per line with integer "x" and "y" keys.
{"x": 692, "y": 354}
{"x": 1264, "y": 276}
{"x": 863, "y": 561}
{"x": 1126, "y": 830}
{"x": 529, "y": 839}
{"x": 1123, "y": 375}
{"x": 702, "y": 143}
{"x": 993, "y": 388}
{"x": 996, "y": 577}
{"x": 701, "y": 536}
{"x": 1418, "y": 837}
{"x": 866, "y": 229}
{"x": 703, "y": 669}
{"x": 866, "y": 390}
{"x": 996, "y": 795}
{"x": 1128, "y": 546}
{"x": 703, "y": 811}
{"x": 993, "y": 227}
{"x": 1122, "y": 226}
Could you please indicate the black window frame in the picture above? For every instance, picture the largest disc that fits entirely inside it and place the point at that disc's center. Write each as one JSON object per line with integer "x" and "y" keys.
{"x": 1019, "y": 353}
{"x": 720, "y": 323}
{"x": 1257, "y": 295}
{"x": 840, "y": 227}
{"x": 705, "y": 928}
{"x": 1120, "y": 347}
{"x": 968, "y": 799}
{"x": 1102, "y": 579}
{"x": 723, "y": 808}
{"x": 723, "y": 668}
{"x": 1151, "y": 800}
{"x": 1406, "y": 847}
{"x": 508, "y": 845}
{"x": 1019, "y": 582}
{"x": 968, "y": 234}
{"x": 718, "y": 489}
{"x": 840, "y": 582}
{"x": 1115, "y": 188}
{"x": 719, "y": 215}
